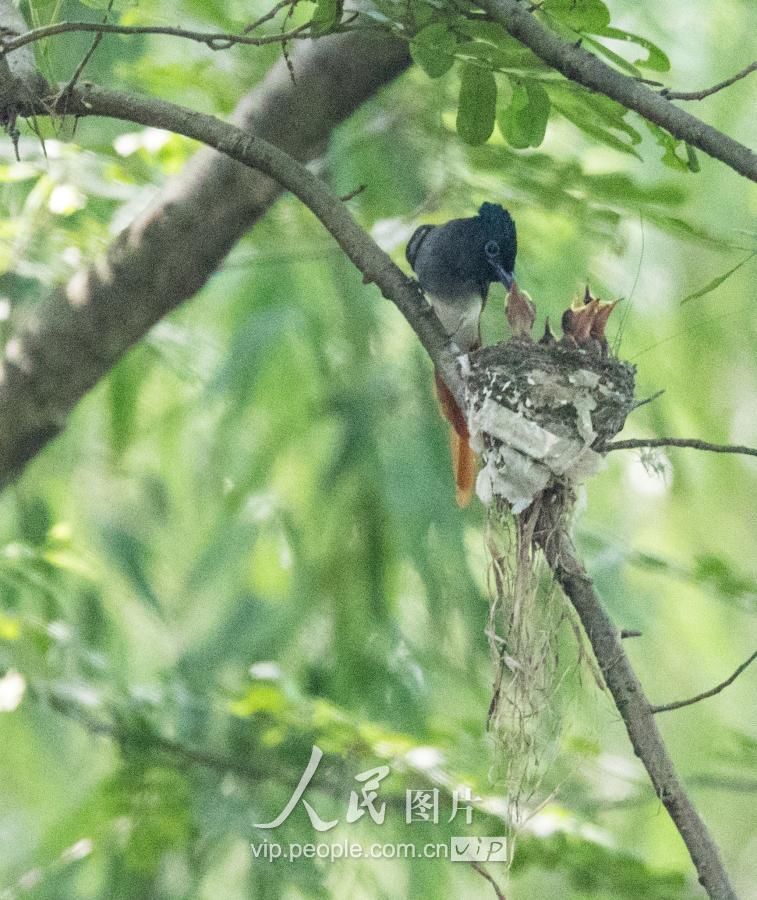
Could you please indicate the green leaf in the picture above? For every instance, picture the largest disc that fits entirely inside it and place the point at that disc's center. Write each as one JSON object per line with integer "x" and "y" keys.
{"x": 523, "y": 122}
{"x": 512, "y": 120}
{"x": 589, "y": 125}
{"x": 692, "y": 158}
{"x": 580, "y": 15}
{"x": 670, "y": 145}
{"x": 491, "y": 32}
{"x": 490, "y": 42}
{"x": 421, "y": 13}
{"x": 614, "y": 57}
{"x": 260, "y": 698}
{"x": 477, "y": 104}
{"x": 538, "y": 110}
{"x": 327, "y": 14}
{"x": 656, "y": 59}
{"x": 612, "y": 113}
{"x": 597, "y": 116}
{"x": 716, "y": 282}
{"x": 131, "y": 553}
{"x": 124, "y": 384}
{"x": 433, "y": 49}
{"x": 687, "y": 229}
{"x": 497, "y": 58}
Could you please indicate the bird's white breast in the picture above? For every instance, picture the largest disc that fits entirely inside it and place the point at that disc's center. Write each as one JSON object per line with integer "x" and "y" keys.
{"x": 460, "y": 318}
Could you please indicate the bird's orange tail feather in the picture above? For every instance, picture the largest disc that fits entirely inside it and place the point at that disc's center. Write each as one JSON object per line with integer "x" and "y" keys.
{"x": 463, "y": 458}
{"x": 464, "y": 467}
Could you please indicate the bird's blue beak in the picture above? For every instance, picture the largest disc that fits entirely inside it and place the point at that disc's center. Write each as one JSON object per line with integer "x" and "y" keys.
{"x": 504, "y": 276}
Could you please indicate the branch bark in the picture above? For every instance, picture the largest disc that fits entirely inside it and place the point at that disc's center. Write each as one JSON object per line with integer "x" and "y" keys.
{"x": 630, "y": 700}
{"x": 167, "y": 254}
{"x": 584, "y": 68}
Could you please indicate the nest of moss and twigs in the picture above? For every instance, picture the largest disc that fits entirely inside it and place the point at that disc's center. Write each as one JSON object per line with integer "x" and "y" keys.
{"x": 539, "y": 415}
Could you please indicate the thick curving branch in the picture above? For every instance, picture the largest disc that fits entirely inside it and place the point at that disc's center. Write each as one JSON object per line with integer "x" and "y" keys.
{"x": 375, "y": 266}
{"x": 630, "y": 700}
{"x": 586, "y": 69}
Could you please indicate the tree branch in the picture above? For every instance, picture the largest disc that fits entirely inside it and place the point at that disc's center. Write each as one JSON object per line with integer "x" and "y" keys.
{"x": 266, "y": 17}
{"x": 586, "y": 69}
{"x": 629, "y": 698}
{"x": 74, "y": 337}
{"x": 678, "y": 704}
{"x": 700, "y": 95}
{"x": 214, "y": 40}
{"x": 89, "y": 54}
{"x": 693, "y": 443}
{"x": 498, "y": 893}
{"x": 723, "y": 783}
{"x": 122, "y": 736}
{"x": 375, "y": 266}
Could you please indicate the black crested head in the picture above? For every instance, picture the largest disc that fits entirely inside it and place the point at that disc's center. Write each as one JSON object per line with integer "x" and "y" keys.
{"x": 498, "y": 228}
{"x": 462, "y": 257}
{"x": 500, "y": 242}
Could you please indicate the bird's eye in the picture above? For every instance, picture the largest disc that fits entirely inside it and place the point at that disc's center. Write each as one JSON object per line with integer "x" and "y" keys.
{"x": 491, "y": 249}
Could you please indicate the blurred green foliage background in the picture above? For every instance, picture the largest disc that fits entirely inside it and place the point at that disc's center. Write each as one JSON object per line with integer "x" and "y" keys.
{"x": 246, "y": 542}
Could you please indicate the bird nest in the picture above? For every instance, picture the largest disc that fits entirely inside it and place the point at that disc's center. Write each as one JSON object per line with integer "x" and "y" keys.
{"x": 540, "y": 413}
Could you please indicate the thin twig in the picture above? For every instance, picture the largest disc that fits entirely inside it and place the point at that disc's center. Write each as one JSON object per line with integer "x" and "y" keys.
{"x": 214, "y": 40}
{"x": 666, "y": 707}
{"x": 285, "y": 49}
{"x": 89, "y": 54}
{"x": 693, "y": 443}
{"x": 629, "y": 633}
{"x": 484, "y": 874}
{"x": 82, "y": 65}
{"x": 354, "y": 193}
{"x": 640, "y": 403}
{"x": 722, "y": 783}
{"x": 268, "y": 16}
{"x": 700, "y": 95}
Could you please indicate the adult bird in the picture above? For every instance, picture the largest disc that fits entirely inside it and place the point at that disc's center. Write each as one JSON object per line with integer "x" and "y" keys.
{"x": 455, "y": 263}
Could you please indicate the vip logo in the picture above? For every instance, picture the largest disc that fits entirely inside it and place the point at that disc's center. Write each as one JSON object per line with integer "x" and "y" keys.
{"x": 478, "y": 849}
